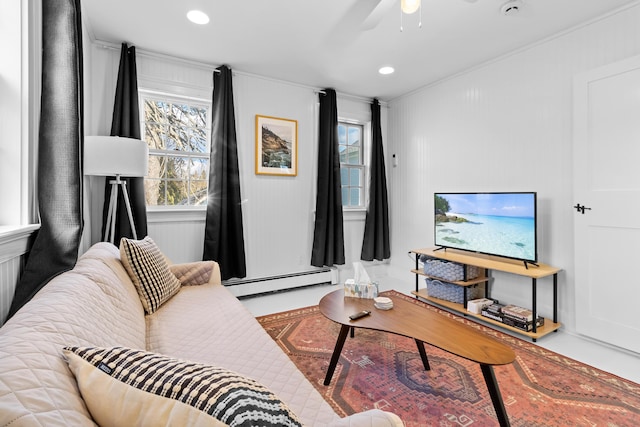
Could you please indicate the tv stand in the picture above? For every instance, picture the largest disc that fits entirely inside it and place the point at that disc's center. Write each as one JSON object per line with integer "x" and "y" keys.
{"x": 488, "y": 262}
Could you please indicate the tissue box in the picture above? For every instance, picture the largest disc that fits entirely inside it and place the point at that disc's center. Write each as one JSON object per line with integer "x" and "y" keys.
{"x": 360, "y": 290}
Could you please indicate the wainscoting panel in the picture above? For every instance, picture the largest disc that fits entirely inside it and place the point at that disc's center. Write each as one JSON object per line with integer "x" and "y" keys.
{"x": 14, "y": 245}
{"x": 178, "y": 234}
{"x": 9, "y": 274}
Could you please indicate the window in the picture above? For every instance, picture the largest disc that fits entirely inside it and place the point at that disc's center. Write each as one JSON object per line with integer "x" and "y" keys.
{"x": 178, "y": 133}
{"x": 351, "y": 149}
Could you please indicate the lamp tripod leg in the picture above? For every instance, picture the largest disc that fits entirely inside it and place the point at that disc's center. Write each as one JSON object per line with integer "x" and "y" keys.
{"x": 109, "y": 226}
{"x": 128, "y": 205}
{"x": 114, "y": 214}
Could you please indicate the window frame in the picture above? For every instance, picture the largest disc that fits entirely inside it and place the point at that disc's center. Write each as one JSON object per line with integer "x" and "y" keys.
{"x": 21, "y": 45}
{"x": 161, "y": 95}
{"x": 363, "y": 166}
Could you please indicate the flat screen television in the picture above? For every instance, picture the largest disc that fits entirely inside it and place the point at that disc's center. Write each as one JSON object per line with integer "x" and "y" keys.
{"x": 502, "y": 224}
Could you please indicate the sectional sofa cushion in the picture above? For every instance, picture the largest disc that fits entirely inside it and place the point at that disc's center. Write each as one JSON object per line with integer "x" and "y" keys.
{"x": 149, "y": 271}
{"x": 124, "y": 386}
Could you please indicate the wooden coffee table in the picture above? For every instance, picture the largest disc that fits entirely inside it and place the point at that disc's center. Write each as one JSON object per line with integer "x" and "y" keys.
{"x": 424, "y": 326}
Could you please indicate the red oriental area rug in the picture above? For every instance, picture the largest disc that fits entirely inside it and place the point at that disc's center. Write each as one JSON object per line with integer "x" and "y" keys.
{"x": 382, "y": 370}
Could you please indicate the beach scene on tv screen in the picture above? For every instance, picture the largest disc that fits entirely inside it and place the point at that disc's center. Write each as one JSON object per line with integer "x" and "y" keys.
{"x": 494, "y": 223}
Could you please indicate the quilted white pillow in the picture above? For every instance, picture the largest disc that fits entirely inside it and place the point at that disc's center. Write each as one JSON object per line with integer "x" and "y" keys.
{"x": 149, "y": 272}
{"x": 123, "y": 387}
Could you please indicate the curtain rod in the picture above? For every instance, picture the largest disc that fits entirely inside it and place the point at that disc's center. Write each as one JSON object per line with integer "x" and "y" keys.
{"x": 207, "y": 66}
{"x": 153, "y": 54}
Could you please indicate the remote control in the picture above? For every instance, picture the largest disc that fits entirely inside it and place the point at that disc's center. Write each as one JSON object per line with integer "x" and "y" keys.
{"x": 359, "y": 315}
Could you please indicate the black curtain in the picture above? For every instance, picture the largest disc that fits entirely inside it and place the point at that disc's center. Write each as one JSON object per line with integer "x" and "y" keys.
{"x": 328, "y": 235}
{"x": 125, "y": 122}
{"x": 55, "y": 248}
{"x": 375, "y": 244}
{"x": 224, "y": 237}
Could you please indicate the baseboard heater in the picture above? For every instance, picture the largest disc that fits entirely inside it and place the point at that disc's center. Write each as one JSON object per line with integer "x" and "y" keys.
{"x": 263, "y": 285}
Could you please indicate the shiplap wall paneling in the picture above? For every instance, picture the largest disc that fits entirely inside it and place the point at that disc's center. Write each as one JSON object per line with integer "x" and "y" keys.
{"x": 505, "y": 125}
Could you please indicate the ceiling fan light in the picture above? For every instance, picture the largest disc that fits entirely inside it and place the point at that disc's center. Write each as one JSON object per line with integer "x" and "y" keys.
{"x": 409, "y": 6}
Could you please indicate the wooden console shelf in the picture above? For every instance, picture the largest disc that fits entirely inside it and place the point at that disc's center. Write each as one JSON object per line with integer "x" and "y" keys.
{"x": 488, "y": 262}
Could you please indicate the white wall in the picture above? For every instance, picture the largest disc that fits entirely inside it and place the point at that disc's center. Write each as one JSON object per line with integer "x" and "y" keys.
{"x": 503, "y": 126}
{"x": 278, "y": 212}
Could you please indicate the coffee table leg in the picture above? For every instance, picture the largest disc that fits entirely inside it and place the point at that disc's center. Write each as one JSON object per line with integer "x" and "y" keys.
{"x": 423, "y": 355}
{"x": 494, "y": 392}
{"x": 342, "y": 337}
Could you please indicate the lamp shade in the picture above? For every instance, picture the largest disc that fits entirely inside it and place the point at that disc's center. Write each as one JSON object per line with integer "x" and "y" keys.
{"x": 114, "y": 155}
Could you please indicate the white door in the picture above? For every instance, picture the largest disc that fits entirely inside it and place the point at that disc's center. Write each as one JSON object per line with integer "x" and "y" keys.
{"x": 607, "y": 183}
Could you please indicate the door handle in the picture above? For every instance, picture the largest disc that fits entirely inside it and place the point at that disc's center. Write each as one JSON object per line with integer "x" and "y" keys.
{"x": 581, "y": 209}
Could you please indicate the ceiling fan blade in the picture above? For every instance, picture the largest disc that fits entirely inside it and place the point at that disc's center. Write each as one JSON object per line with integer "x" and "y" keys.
{"x": 376, "y": 15}
{"x": 359, "y": 12}
{"x": 350, "y": 24}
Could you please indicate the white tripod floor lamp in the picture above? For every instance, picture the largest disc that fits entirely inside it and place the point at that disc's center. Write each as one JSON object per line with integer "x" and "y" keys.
{"x": 119, "y": 157}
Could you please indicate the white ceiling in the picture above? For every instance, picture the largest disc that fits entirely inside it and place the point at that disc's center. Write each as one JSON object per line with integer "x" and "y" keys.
{"x": 330, "y": 43}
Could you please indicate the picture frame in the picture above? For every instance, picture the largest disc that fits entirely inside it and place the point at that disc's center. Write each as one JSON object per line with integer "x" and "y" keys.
{"x": 276, "y": 146}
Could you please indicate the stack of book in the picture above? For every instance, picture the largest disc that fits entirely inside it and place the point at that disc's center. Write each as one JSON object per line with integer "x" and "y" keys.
{"x": 493, "y": 311}
{"x": 512, "y": 315}
{"x": 519, "y": 317}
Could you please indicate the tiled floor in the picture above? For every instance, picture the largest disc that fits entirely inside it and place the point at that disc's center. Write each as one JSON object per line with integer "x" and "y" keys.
{"x": 619, "y": 362}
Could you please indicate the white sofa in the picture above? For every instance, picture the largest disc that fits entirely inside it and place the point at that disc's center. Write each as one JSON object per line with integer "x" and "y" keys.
{"x": 96, "y": 304}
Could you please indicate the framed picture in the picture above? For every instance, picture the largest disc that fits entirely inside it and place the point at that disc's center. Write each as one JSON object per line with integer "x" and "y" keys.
{"x": 276, "y": 146}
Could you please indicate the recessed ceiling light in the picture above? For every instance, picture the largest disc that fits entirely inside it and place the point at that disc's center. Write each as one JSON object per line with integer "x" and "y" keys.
{"x": 198, "y": 17}
{"x": 386, "y": 70}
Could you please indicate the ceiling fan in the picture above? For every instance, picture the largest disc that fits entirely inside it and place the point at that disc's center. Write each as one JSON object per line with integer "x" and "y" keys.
{"x": 376, "y": 9}
{"x": 365, "y": 15}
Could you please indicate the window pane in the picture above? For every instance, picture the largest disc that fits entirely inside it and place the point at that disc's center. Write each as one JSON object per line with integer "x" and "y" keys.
{"x": 154, "y": 193}
{"x": 354, "y": 136}
{"x": 343, "y": 153}
{"x": 178, "y": 167}
{"x": 172, "y": 138}
{"x": 355, "y": 197}
{"x": 199, "y": 117}
{"x": 342, "y": 135}
{"x": 198, "y": 193}
{"x": 177, "y": 193}
{"x": 154, "y": 136}
{"x": 157, "y": 167}
{"x": 355, "y": 177}
{"x": 182, "y": 139}
{"x": 344, "y": 175}
{"x": 198, "y": 140}
{"x": 199, "y": 169}
{"x": 354, "y": 156}
{"x": 181, "y": 112}
{"x": 164, "y": 109}
{"x": 153, "y": 112}
{"x": 345, "y": 196}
